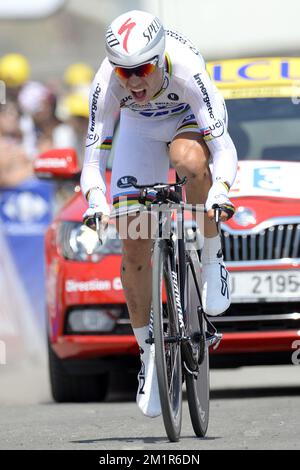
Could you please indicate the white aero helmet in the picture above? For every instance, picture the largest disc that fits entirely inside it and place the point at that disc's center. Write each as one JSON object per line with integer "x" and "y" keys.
{"x": 134, "y": 38}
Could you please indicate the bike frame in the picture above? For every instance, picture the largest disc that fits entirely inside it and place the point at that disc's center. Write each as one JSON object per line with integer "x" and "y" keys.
{"x": 175, "y": 263}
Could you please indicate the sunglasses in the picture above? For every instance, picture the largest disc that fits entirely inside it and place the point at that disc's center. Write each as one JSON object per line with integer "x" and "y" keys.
{"x": 141, "y": 71}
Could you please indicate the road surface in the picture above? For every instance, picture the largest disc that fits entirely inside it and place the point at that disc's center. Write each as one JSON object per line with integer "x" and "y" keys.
{"x": 251, "y": 408}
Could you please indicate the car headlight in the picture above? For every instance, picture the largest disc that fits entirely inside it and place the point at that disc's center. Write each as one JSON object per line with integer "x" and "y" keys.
{"x": 93, "y": 320}
{"x": 78, "y": 242}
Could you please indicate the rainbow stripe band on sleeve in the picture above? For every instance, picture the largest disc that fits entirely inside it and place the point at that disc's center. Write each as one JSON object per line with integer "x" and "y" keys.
{"x": 168, "y": 64}
{"x": 206, "y": 133}
{"x": 227, "y": 186}
{"x": 106, "y": 144}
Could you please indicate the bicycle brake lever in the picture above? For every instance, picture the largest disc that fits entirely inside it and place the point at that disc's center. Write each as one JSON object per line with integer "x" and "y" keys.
{"x": 99, "y": 228}
{"x": 217, "y": 214}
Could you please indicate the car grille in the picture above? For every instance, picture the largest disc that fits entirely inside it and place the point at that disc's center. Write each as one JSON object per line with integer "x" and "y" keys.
{"x": 281, "y": 240}
{"x": 259, "y": 317}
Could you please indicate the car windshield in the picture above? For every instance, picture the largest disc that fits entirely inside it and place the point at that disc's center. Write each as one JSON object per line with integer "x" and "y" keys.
{"x": 265, "y": 128}
{"x": 261, "y": 128}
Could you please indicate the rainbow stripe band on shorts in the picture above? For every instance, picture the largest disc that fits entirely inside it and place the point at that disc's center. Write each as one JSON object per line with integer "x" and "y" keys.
{"x": 130, "y": 199}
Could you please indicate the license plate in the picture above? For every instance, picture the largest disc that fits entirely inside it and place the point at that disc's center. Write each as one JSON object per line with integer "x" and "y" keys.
{"x": 268, "y": 286}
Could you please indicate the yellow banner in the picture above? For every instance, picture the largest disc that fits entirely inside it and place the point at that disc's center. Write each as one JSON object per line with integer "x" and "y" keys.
{"x": 262, "y": 92}
{"x": 262, "y": 76}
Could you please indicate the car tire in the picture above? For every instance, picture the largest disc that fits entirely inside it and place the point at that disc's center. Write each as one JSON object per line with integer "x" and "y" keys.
{"x": 74, "y": 388}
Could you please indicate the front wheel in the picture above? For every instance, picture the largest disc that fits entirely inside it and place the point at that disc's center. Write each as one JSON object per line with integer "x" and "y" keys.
{"x": 166, "y": 339}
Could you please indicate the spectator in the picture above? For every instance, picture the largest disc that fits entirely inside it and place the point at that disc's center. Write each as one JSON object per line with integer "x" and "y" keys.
{"x": 14, "y": 71}
{"x": 78, "y": 77}
{"x": 42, "y": 129}
{"x": 15, "y": 167}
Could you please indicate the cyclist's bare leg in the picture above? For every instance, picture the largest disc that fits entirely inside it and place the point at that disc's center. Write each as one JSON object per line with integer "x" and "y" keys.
{"x": 136, "y": 274}
{"x": 190, "y": 156}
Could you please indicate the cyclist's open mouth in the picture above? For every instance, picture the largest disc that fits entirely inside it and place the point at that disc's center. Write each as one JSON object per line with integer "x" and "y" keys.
{"x": 139, "y": 95}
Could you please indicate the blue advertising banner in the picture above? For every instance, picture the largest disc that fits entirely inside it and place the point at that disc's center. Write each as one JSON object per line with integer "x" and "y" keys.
{"x": 25, "y": 213}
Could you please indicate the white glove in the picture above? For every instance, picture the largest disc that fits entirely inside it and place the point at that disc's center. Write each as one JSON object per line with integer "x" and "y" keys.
{"x": 97, "y": 205}
{"x": 218, "y": 197}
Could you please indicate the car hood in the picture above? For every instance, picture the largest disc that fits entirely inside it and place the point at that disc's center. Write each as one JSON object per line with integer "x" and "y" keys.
{"x": 271, "y": 179}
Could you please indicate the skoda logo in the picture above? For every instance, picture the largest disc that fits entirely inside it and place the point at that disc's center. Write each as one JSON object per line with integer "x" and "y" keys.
{"x": 244, "y": 216}
{"x": 173, "y": 97}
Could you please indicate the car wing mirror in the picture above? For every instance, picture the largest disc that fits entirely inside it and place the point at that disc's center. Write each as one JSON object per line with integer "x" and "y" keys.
{"x": 57, "y": 164}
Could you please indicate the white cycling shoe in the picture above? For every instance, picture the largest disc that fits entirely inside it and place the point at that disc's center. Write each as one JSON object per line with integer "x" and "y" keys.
{"x": 147, "y": 396}
{"x": 215, "y": 288}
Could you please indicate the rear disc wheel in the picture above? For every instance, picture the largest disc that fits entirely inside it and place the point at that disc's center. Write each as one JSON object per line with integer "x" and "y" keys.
{"x": 197, "y": 382}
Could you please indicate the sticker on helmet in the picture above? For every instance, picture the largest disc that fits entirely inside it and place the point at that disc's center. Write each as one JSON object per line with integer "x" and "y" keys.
{"x": 126, "y": 27}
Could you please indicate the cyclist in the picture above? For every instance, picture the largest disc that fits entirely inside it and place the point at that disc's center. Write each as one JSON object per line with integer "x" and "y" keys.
{"x": 170, "y": 110}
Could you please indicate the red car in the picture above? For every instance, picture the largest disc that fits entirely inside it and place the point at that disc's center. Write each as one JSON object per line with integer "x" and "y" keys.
{"x": 88, "y": 325}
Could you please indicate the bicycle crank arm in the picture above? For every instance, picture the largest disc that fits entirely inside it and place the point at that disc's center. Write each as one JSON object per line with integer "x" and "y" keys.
{"x": 173, "y": 339}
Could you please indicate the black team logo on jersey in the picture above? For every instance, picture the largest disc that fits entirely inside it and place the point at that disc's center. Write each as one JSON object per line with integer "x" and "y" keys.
{"x": 92, "y": 136}
{"x": 204, "y": 94}
{"x": 94, "y": 107}
{"x": 173, "y": 97}
{"x": 125, "y": 100}
{"x": 126, "y": 181}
